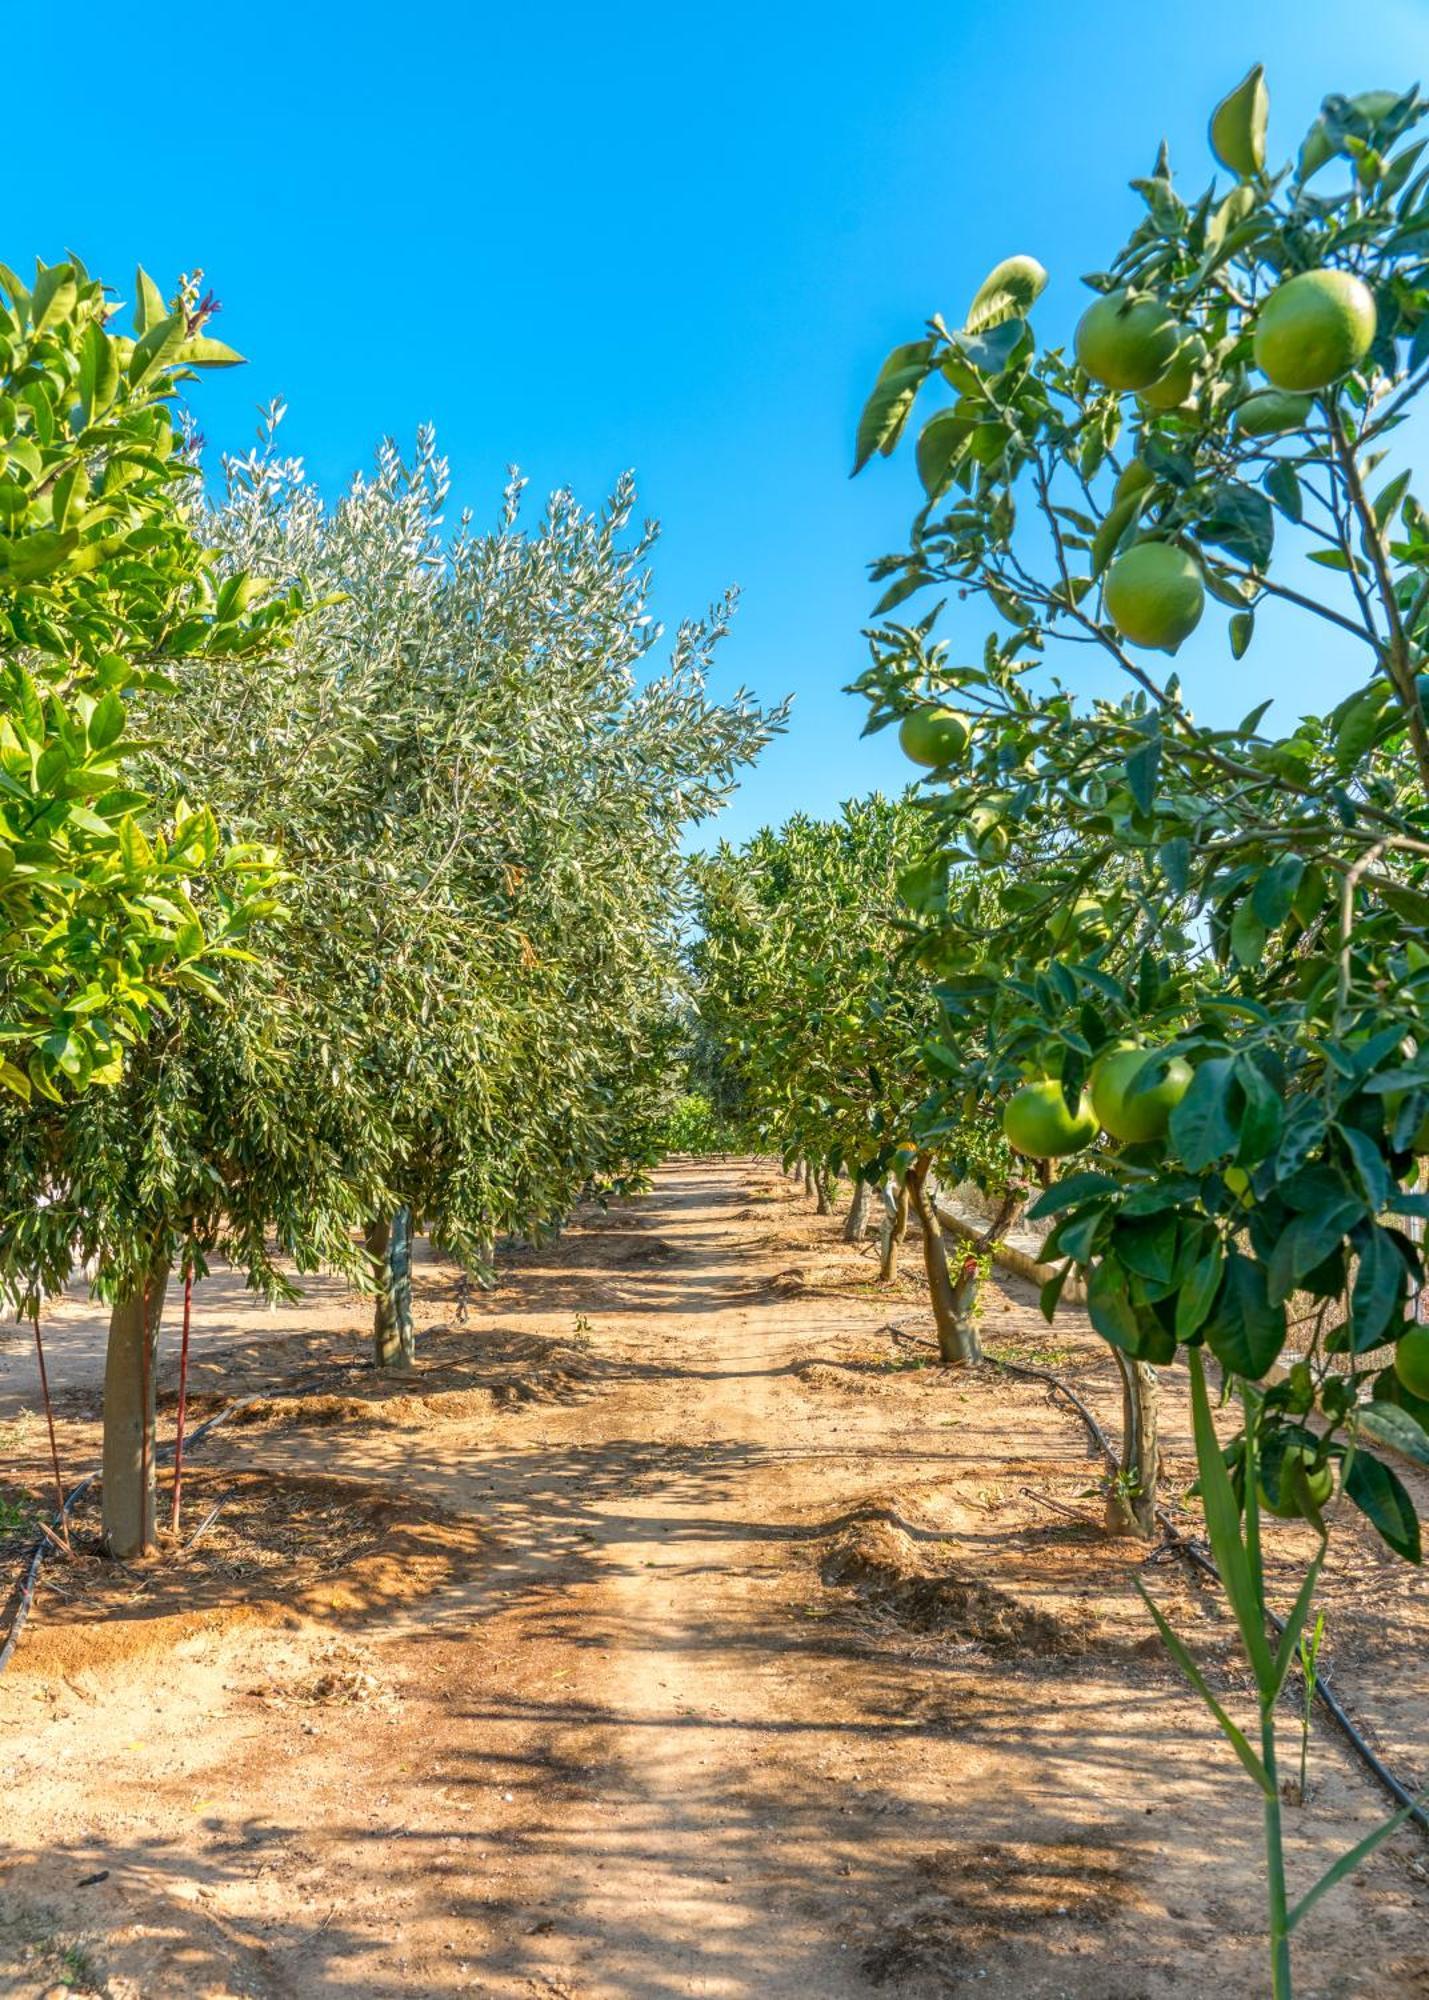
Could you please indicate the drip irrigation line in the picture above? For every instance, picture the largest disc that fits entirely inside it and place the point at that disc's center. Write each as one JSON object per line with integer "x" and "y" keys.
{"x": 1182, "y": 1545}
{"x": 60, "y": 1519}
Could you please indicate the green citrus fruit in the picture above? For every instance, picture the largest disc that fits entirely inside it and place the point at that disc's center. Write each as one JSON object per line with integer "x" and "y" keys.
{"x": 1320, "y": 1481}
{"x": 1036, "y": 1121}
{"x": 1411, "y": 1361}
{"x": 1084, "y": 917}
{"x": 1133, "y": 479}
{"x": 1238, "y": 1181}
{"x": 1126, "y": 343}
{"x": 1238, "y": 126}
{"x": 1145, "y": 1116}
{"x": 1155, "y": 595}
{"x": 1170, "y": 391}
{"x": 1314, "y": 328}
{"x": 1270, "y": 411}
{"x": 933, "y": 736}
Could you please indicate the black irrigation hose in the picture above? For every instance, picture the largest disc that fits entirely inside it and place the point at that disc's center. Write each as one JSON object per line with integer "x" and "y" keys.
{"x": 1182, "y": 1545}
{"x": 43, "y": 1544}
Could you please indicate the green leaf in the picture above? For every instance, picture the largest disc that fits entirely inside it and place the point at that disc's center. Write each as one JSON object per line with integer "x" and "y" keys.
{"x": 1051, "y": 1293}
{"x": 1242, "y": 632}
{"x": 1273, "y": 897}
{"x": 1240, "y": 521}
{"x": 1009, "y": 291}
{"x": 149, "y": 306}
{"x": 1347, "y": 1863}
{"x": 158, "y": 346}
{"x": 1306, "y": 1242}
{"x": 1110, "y": 1310}
{"x": 1379, "y": 1289}
{"x": 55, "y": 296}
{"x": 1181, "y": 1654}
{"x": 106, "y": 724}
{"x": 1248, "y": 935}
{"x": 888, "y": 407}
{"x": 1223, "y": 1528}
{"x": 1381, "y": 1497}
{"x": 198, "y": 351}
{"x": 1283, "y": 487}
{"x": 1390, "y": 1425}
{"x": 1142, "y": 767}
{"x": 1295, "y": 1623}
{"x": 1246, "y": 1331}
{"x": 1198, "y": 1294}
{"x": 940, "y": 446}
{"x": 1201, "y": 1129}
{"x": 1070, "y": 1193}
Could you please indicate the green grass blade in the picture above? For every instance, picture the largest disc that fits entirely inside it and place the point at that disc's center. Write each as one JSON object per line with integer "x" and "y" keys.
{"x": 1180, "y": 1654}
{"x": 1295, "y": 1623}
{"x": 1347, "y": 1863}
{"x": 1223, "y": 1527}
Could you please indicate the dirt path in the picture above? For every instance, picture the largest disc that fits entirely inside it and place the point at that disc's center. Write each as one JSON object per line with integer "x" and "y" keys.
{"x": 666, "y": 1633}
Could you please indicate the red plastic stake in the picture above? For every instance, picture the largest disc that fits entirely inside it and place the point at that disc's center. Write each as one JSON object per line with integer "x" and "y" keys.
{"x": 183, "y": 1401}
{"x": 54, "y": 1448}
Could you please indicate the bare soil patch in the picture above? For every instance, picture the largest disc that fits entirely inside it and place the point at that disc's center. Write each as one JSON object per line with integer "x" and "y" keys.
{"x": 673, "y": 1628}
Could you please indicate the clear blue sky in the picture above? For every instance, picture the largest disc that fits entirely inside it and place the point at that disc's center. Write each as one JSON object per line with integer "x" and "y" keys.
{"x": 680, "y": 239}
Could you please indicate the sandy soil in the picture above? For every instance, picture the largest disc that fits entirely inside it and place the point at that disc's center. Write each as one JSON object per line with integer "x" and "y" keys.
{"x": 670, "y": 1630}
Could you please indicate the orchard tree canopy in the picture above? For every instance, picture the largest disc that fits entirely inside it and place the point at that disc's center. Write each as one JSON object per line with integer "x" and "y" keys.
{"x": 1223, "y": 930}
{"x": 106, "y": 592}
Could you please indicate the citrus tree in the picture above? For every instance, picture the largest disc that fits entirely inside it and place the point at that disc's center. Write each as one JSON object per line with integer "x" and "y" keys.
{"x": 799, "y": 977}
{"x": 1231, "y": 1059}
{"x": 107, "y": 905}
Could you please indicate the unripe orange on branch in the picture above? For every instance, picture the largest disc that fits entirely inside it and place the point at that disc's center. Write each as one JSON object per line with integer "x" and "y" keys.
{"x": 1126, "y": 342}
{"x": 1314, "y": 328}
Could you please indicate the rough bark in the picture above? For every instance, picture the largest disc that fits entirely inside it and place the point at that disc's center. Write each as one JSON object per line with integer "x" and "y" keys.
{"x": 129, "y": 1509}
{"x": 808, "y": 1178}
{"x": 389, "y": 1245}
{"x": 822, "y": 1204}
{"x": 895, "y": 1228}
{"x": 856, "y": 1221}
{"x": 952, "y": 1299}
{"x": 1131, "y": 1501}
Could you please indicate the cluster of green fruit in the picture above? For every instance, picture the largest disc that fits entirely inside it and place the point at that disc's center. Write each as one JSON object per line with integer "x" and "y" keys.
{"x": 1039, "y": 1122}
{"x": 1313, "y": 329}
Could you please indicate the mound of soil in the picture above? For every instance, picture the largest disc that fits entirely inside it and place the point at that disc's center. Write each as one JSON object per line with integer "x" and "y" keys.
{"x": 253, "y": 1546}
{"x": 961, "y": 1904}
{"x": 889, "y": 1574}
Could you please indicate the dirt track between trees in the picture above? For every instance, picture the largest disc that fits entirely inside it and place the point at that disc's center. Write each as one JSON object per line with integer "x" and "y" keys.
{"x": 666, "y": 1632}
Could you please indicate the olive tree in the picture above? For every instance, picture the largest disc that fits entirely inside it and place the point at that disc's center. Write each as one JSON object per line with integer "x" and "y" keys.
{"x": 461, "y": 1017}
{"x": 1223, "y": 433}
{"x": 484, "y": 789}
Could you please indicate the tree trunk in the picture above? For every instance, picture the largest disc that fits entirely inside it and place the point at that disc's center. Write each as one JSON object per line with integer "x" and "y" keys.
{"x": 967, "y": 1285}
{"x": 856, "y": 1222}
{"x": 1131, "y": 1503}
{"x": 895, "y": 1228}
{"x": 952, "y": 1301}
{"x": 822, "y": 1204}
{"x": 128, "y": 1511}
{"x": 389, "y": 1245}
{"x": 808, "y": 1178}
